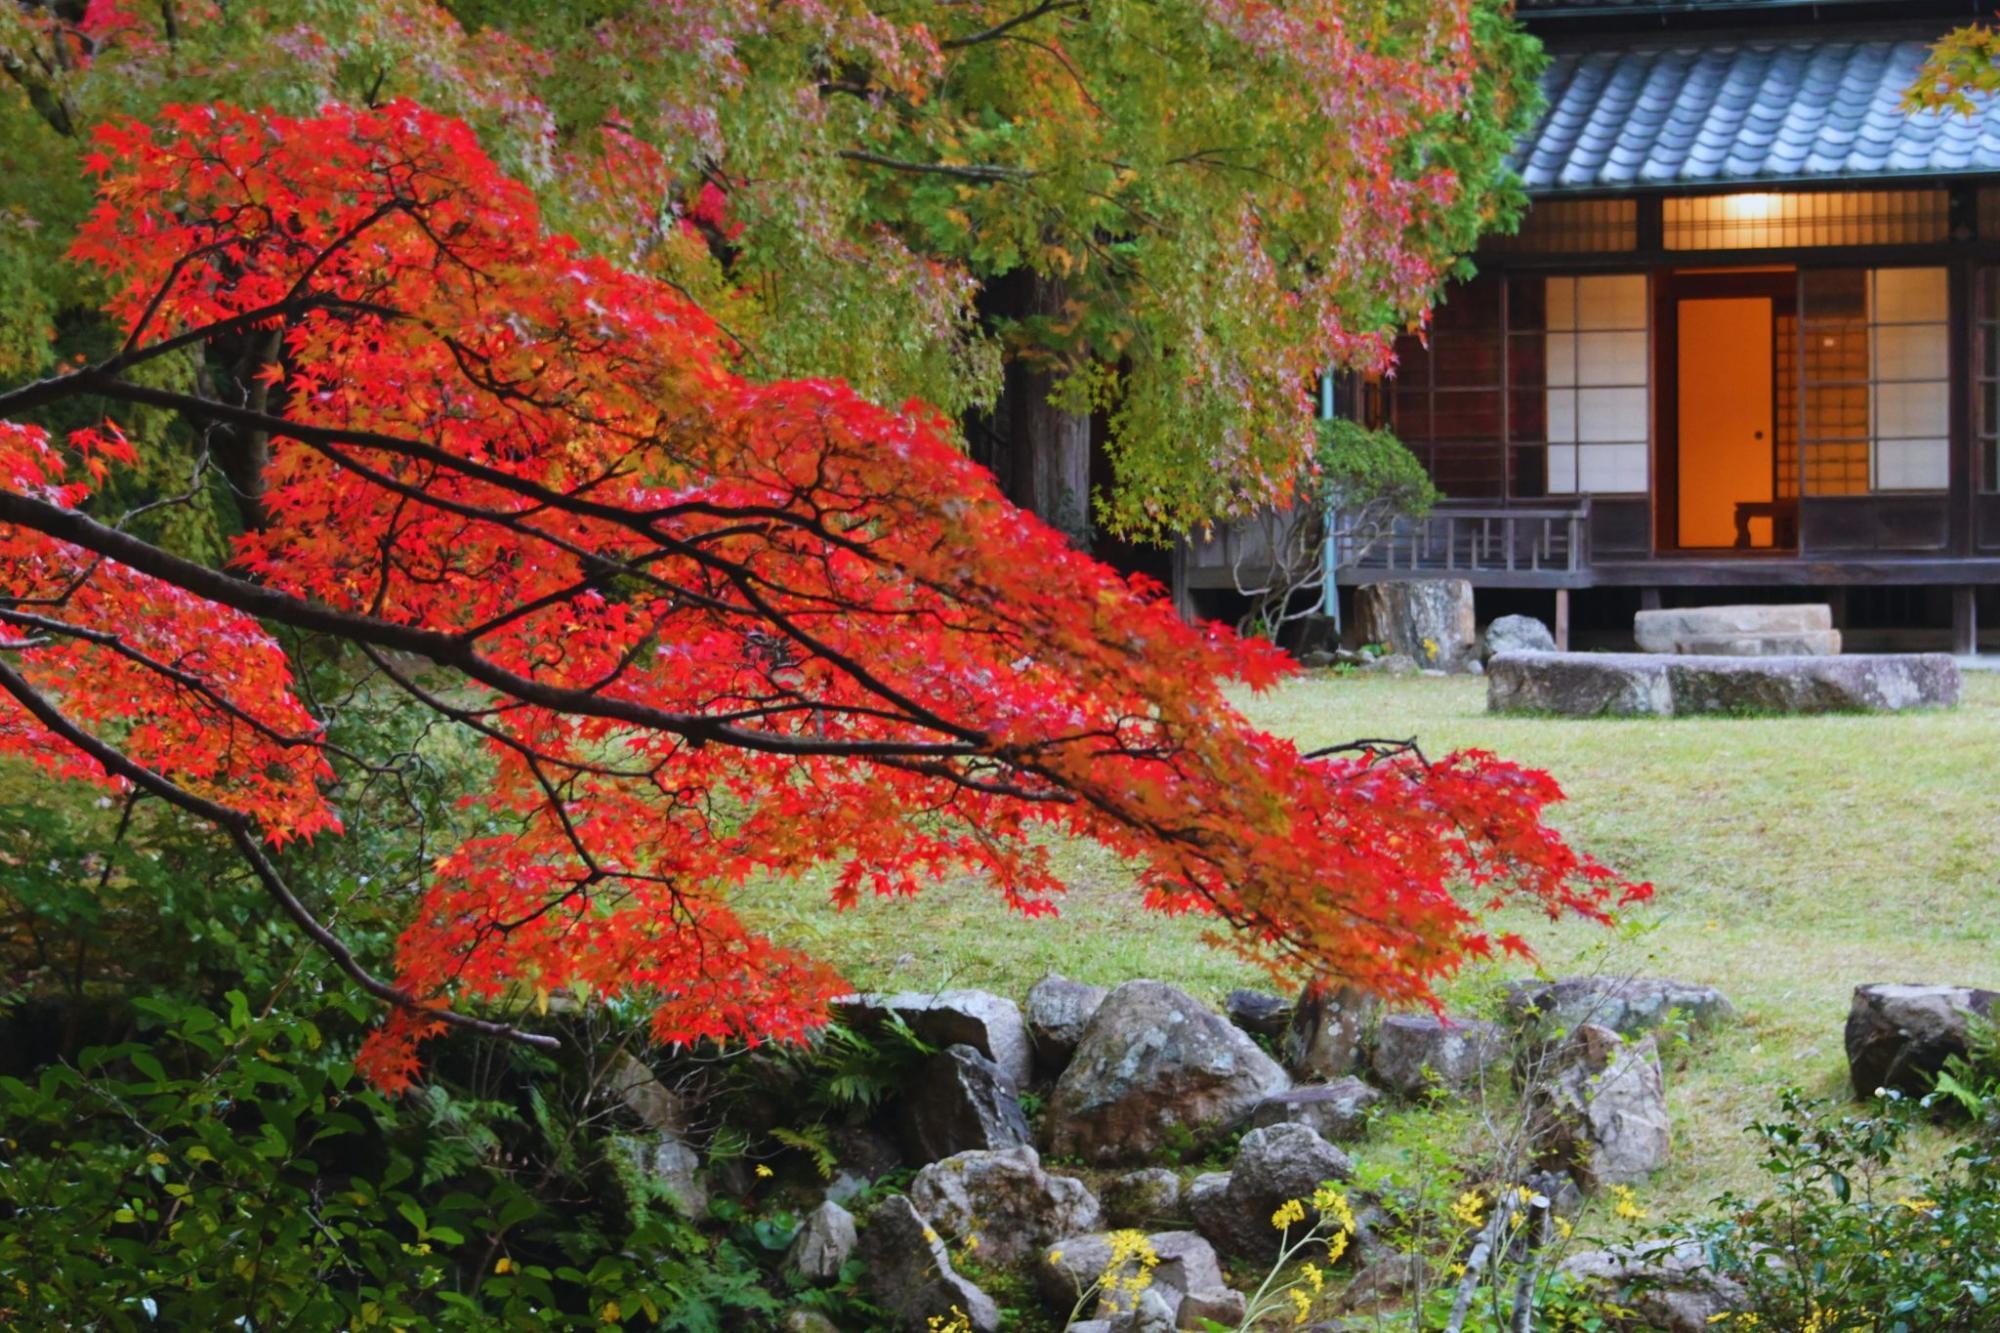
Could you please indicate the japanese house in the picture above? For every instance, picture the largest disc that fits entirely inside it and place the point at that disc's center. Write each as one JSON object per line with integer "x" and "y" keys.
{"x": 1745, "y": 345}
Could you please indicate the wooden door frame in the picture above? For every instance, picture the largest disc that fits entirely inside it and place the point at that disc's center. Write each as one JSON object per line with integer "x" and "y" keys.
{"x": 1782, "y": 287}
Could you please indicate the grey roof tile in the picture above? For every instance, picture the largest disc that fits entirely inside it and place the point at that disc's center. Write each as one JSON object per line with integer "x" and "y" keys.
{"x": 1790, "y": 109}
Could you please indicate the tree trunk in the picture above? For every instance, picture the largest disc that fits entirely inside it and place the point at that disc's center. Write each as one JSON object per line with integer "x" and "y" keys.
{"x": 1049, "y": 449}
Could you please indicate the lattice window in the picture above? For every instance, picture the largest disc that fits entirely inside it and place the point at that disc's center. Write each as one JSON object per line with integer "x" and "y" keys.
{"x": 1986, "y": 375}
{"x": 1574, "y": 226}
{"x": 1599, "y": 412}
{"x": 1874, "y": 370}
{"x": 1753, "y": 221}
{"x": 1785, "y": 430}
{"x": 1448, "y": 398}
{"x": 1535, "y": 386}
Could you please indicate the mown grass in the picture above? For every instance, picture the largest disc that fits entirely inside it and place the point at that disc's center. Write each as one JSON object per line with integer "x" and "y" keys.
{"x": 1793, "y": 858}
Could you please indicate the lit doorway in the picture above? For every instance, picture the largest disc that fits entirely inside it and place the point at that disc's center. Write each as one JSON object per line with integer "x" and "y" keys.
{"x": 1729, "y": 484}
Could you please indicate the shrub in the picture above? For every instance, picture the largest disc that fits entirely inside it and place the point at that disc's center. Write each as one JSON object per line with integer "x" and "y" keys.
{"x": 1845, "y": 1242}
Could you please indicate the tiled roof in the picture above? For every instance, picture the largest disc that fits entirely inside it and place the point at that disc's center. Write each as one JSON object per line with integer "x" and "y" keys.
{"x": 1792, "y": 110}
{"x": 1614, "y": 6}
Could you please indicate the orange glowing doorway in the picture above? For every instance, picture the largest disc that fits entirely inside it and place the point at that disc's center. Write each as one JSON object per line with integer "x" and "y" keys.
{"x": 1728, "y": 494}
{"x": 1726, "y": 418}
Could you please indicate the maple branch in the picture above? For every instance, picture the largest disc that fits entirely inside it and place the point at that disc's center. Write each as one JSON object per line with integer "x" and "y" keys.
{"x": 241, "y": 829}
{"x": 187, "y": 680}
{"x": 447, "y": 650}
{"x": 323, "y": 438}
{"x": 967, "y": 171}
{"x": 1007, "y": 25}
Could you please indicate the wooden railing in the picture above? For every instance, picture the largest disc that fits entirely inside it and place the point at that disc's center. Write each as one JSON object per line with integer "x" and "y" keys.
{"x": 1528, "y": 544}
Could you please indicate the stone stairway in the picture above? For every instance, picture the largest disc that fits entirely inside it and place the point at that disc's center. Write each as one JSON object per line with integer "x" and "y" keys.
{"x": 1739, "y": 631}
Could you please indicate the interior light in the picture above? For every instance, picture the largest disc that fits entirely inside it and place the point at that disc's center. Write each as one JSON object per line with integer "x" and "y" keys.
{"x": 1750, "y": 207}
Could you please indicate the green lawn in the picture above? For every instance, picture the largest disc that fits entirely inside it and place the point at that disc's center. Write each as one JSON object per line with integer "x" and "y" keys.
{"x": 1792, "y": 858}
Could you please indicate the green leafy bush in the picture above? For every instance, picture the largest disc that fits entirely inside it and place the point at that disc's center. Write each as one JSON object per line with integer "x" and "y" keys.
{"x": 1371, "y": 470}
{"x": 231, "y": 1167}
{"x": 1845, "y": 1242}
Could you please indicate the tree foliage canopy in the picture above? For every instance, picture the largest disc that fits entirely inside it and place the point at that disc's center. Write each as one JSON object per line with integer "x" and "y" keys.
{"x": 708, "y": 627}
{"x": 1233, "y": 194}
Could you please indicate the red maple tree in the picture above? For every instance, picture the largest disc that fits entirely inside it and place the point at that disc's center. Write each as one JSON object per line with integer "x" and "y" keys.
{"x": 709, "y": 629}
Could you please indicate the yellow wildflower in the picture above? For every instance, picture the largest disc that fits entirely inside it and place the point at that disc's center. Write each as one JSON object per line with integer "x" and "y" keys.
{"x": 1313, "y": 1276}
{"x": 1332, "y": 1203}
{"x": 958, "y": 1322}
{"x": 764, "y": 1172}
{"x": 1627, "y": 1206}
{"x": 610, "y": 1313}
{"x": 503, "y": 1265}
{"x": 1916, "y": 1205}
{"x": 1055, "y": 1256}
{"x": 1289, "y": 1212}
{"x": 1469, "y": 1209}
{"x": 1563, "y": 1228}
{"x": 1302, "y": 1303}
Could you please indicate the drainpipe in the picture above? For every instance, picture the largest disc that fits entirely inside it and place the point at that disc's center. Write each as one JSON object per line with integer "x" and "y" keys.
{"x": 1329, "y": 591}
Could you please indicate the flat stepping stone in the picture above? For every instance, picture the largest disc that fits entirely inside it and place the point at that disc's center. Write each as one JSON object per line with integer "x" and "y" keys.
{"x": 1675, "y": 685}
{"x": 1742, "y": 631}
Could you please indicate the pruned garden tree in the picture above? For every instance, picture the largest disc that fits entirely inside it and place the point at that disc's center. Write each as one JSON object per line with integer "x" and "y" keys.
{"x": 709, "y": 629}
{"x": 1170, "y": 216}
{"x": 1360, "y": 484}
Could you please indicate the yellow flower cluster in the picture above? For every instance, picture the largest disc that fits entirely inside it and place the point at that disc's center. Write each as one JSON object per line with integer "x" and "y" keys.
{"x": 1130, "y": 1250}
{"x": 1469, "y": 1209}
{"x": 1627, "y": 1205}
{"x": 957, "y": 1322}
{"x": 1332, "y": 1203}
{"x": 1290, "y": 1212}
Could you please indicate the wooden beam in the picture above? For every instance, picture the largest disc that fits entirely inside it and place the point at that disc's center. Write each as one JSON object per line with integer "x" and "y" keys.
{"x": 1562, "y": 620}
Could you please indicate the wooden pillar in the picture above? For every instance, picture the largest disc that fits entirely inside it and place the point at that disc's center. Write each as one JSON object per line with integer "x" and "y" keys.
{"x": 1964, "y": 620}
{"x": 1649, "y": 599}
{"x": 1562, "y": 620}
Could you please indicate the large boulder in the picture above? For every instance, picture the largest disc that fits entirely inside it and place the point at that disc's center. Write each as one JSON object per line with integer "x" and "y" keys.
{"x": 1002, "y": 1204}
{"x": 1155, "y": 1070}
{"x": 1628, "y": 1006}
{"x": 1337, "y": 1111}
{"x": 1142, "y": 1199}
{"x": 1187, "y": 1277}
{"x": 1387, "y": 1281}
{"x": 669, "y": 1166}
{"x": 1415, "y": 1053}
{"x": 990, "y": 1024}
{"x": 806, "y": 1321}
{"x": 1258, "y": 1013}
{"x": 1329, "y": 1029}
{"x": 1516, "y": 634}
{"x": 1900, "y": 1036}
{"x": 652, "y": 1103}
{"x": 908, "y": 1274}
{"x": 1599, "y": 1110}
{"x": 1275, "y": 1164}
{"x": 1739, "y": 631}
{"x": 862, "y": 1156}
{"x": 1427, "y": 620}
{"x": 960, "y": 1101}
{"x": 824, "y": 1242}
{"x": 1058, "y": 1010}
{"x": 1650, "y": 685}
{"x": 1671, "y": 1288}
